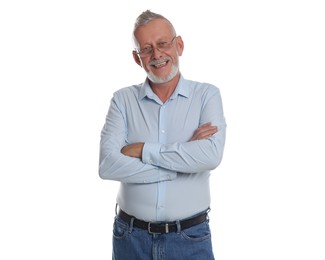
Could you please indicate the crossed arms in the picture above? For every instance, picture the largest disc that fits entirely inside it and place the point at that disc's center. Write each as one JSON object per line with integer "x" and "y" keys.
{"x": 145, "y": 162}
{"x": 203, "y": 132}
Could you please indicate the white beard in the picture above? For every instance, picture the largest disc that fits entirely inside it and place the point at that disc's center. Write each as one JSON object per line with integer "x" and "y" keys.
{"x": 157, "y": 80}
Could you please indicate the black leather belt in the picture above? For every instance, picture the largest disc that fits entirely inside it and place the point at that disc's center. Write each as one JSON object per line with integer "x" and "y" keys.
{"x": 163, "y": 227}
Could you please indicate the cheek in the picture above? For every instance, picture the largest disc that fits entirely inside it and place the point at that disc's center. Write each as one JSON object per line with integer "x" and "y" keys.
{"x": 146, "y": 67}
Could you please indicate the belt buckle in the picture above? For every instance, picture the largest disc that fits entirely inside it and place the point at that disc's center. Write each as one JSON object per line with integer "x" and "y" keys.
{"x": 157, "y": 233}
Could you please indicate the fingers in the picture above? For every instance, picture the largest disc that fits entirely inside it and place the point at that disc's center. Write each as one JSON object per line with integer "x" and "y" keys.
{"x": 206, "y": 124}
{"x": 133, "y": 150}
{"x": 204, "y": 131}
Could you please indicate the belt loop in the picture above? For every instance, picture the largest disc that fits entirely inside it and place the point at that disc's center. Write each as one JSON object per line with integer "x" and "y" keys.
{"x": 131, "y": 225}
{"x": 178, "y": 224}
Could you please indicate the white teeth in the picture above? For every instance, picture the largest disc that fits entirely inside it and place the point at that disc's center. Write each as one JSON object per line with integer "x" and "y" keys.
{"x": 160, "y": 65}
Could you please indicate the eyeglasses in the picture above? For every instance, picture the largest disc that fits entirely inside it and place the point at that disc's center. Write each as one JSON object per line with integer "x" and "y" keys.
{"x": 161, "y": 46}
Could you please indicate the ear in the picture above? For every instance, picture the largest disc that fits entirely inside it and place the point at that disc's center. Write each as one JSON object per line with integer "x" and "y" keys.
{"x": 136, "y": 58}
{"x": 179, "y": 45}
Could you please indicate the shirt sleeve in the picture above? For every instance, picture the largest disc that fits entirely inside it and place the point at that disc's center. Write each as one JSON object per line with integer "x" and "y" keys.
{"x": 113, "y": 165}
{"x": 194, "y": 156}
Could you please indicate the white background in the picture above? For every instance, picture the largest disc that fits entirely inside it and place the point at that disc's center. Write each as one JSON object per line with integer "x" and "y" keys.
{"x": 60, "y": 62}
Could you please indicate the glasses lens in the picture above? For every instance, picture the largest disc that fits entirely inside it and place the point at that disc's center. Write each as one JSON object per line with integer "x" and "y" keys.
{"x": 161, "y": 46}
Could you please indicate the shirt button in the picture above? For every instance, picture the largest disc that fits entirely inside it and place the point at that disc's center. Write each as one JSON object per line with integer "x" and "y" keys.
{"x": 163, "y": 131}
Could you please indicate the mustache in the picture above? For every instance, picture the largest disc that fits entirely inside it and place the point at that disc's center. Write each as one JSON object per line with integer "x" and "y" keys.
{"x": 155, "y": 62}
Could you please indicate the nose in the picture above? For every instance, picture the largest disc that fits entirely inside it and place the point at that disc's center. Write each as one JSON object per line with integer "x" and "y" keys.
{"x": 156, "y": 52}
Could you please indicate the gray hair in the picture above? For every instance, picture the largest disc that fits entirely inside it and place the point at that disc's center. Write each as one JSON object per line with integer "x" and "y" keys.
{"x": 145, "y": 18}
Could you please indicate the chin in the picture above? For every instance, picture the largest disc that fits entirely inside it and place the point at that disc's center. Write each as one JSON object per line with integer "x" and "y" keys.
{"x": 160, "y": 80}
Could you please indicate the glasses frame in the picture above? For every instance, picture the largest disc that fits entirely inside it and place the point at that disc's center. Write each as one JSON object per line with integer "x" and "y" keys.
{"x": 161, "y": 49}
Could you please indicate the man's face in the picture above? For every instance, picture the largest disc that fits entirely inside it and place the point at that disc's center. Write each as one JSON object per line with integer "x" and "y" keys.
{"x": 159, "y": 50}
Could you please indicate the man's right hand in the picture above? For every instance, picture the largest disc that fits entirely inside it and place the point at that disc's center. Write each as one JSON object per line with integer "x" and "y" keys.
{"x": 204, "y": 132}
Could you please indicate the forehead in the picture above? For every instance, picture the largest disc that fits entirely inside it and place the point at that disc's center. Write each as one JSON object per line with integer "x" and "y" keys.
{"x": 153, "y": 31}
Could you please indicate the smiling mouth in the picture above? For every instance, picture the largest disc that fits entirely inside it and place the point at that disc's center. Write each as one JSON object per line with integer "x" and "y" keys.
{"x": 158, "y": 64}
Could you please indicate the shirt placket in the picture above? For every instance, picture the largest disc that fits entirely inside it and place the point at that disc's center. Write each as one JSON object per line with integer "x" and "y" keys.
{"x": 162, "y": 138}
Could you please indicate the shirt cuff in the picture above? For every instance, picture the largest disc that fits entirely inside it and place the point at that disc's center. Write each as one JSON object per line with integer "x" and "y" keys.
{"x": 150, "y": 153}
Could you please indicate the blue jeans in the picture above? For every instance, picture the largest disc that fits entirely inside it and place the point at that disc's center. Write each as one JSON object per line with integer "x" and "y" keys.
{"x": 131, "y": 243}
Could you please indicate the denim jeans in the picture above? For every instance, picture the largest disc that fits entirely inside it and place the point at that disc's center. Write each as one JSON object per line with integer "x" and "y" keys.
{"x": 131, "y": 243}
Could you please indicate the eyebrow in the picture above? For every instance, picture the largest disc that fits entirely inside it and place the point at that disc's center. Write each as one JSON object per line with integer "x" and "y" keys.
{"x": 159, "y": 40}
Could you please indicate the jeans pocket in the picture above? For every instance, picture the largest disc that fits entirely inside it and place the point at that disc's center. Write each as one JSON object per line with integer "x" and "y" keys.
{"x": 120, "y": 229}
{"x": 197, "y": 233}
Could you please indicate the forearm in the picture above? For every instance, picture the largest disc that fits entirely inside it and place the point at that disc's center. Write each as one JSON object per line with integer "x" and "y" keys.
{"x": 118, "y": 167}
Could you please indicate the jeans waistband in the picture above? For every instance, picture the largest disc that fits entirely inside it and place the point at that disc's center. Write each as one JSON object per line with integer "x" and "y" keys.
{"x": 164, "y": 227}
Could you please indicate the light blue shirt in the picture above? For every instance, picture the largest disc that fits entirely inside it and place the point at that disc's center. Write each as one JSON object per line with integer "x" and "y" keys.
{"x": 171, "y": 181}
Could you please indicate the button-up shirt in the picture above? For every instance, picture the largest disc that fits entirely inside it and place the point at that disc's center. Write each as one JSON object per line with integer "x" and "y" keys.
{"x": 171, "y": 180}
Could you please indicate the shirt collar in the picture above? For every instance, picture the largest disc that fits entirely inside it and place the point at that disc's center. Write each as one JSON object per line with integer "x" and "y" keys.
{"x": 182, "y": 89}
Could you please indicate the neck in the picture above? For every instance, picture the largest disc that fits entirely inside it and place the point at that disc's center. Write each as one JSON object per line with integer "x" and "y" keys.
{"x": 165, "y": 90}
